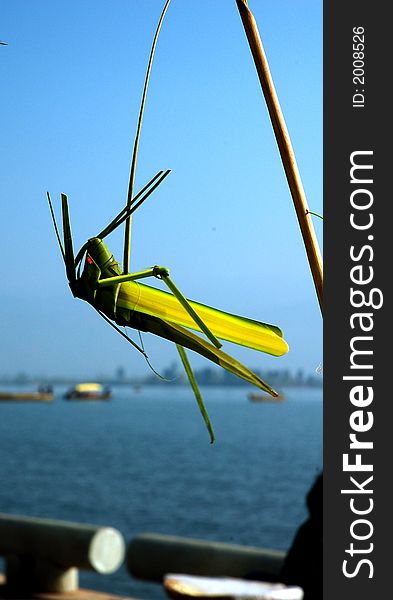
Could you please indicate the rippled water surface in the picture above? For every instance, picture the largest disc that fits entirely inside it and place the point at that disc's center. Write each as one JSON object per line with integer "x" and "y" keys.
{"x": 143, "y": 462}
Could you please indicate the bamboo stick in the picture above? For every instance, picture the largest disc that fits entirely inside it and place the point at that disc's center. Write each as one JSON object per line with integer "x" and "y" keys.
{"x": 285, "y": 147}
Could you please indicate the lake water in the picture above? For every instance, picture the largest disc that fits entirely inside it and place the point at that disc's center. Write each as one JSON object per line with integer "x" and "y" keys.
{"x": 143, "y": 462}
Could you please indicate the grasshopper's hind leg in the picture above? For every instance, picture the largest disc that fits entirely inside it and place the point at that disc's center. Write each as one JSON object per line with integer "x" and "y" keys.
{"x": 195, "y": 389}
{"x": 163, "y": 273}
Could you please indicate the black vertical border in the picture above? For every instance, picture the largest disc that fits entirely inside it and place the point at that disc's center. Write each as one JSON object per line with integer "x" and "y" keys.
{"x": 348, "y": 129}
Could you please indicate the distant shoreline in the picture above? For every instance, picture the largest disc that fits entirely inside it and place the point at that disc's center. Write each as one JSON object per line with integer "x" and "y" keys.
{"x": 209, "y": 379}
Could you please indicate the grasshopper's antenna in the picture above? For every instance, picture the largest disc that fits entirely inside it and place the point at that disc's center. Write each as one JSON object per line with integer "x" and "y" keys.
{"x": 55, "y": 226}
{"x": 125, "y": 212}
{"x": 141, "y": 197}
{"x": 127, "y": 235}
{"x": 68, "y": 249}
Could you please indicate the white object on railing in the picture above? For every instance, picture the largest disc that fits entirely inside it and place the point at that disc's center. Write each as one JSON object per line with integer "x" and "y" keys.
{"x": 189, "y": 586}
{"x": 45, "y": 554}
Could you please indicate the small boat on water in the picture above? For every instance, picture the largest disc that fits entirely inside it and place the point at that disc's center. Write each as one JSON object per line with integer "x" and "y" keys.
{"x": 254, "y": 397}
{"x": 88, "y": 391}
{"x": 43, "y": 394}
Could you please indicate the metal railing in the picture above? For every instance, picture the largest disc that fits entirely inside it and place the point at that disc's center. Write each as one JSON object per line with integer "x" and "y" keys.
{"x": 150, "y": 556}
{"x": 44, "y": 555}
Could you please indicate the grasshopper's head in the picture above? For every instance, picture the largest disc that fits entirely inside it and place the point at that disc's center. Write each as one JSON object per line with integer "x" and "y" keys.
{"x": 99, "y": 264}
{"x": 99, "y": 257}
{"x": 98, "y": 252}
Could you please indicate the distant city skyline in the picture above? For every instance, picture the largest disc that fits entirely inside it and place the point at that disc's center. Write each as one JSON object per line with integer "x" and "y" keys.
{"x": 172, "y": 374}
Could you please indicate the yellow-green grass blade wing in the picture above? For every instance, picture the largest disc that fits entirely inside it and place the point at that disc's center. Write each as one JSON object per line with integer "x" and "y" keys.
{"x": 260, "y": 336}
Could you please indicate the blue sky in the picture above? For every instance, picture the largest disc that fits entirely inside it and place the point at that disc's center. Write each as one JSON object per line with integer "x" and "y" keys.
{"x": 223, "y": 221}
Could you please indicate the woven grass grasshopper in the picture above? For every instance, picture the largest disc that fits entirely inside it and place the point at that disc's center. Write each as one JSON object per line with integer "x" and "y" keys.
{"x": 122, "y": 300}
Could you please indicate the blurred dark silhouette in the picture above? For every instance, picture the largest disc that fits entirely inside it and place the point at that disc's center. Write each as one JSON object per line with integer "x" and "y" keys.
{"x": 303, "y": 563}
